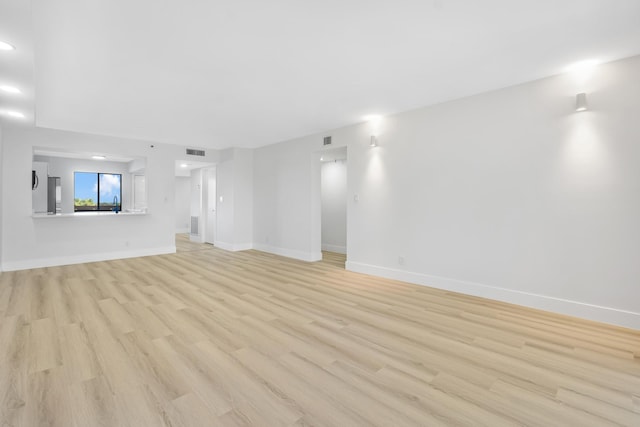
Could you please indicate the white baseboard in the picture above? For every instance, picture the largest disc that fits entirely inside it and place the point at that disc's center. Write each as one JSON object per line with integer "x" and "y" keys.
{"x": 233, "y": 246}
{"x": 334, "y": 248}
{"x": 597, "y": 313}
{"x": 184, "y": 230}
{"x": 289, "y": 253}
{"x": 79, "y": 259}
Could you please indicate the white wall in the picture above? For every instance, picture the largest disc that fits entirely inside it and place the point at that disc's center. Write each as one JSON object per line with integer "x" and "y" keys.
{"x": 225, "y": 193}
{"x": 235, "y": 213}
{"x": 243, "y": 197}
{"x": 65, "y": 168}
{"x": 29, "y": 242}
{"x": 1, "y": 187}
{"x": 509, "y": 194}
{"x": 334, "y": 206}
{"x": 209, "y": 204}
{"x": 183, "y": 204}
{"x": 286, "y": 185}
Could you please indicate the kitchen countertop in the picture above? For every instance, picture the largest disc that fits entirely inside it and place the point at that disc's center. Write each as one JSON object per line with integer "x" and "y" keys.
{"x": 88, "y": 214}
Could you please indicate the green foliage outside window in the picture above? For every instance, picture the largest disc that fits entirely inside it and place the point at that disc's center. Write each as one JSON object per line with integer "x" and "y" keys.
{"x": 84, "y": 202}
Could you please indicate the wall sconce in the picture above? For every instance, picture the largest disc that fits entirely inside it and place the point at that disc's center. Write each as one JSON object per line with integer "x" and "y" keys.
{"x": 374, "y": 126}
{"x": 581, "y": 102}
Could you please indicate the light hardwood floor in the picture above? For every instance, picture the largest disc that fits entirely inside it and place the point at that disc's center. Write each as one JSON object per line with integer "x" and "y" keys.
{"x": 207, "y": 337}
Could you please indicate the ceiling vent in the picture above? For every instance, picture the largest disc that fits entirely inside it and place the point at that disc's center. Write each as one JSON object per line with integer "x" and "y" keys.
{"x": 327, "y": 140}
{"x": 194, "y": 152}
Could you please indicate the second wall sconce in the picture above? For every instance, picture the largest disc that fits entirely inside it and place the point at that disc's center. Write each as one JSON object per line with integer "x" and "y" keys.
{"x": 581, "y": 102}
{"x": 374, "y": 128}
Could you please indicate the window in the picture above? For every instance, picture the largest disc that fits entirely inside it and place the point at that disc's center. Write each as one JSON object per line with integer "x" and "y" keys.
{"x": 97, "y": 191}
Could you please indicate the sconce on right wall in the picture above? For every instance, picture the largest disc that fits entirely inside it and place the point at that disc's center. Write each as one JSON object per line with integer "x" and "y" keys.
{"x": 374, "y": 129}
{"x": 581, "y": 102}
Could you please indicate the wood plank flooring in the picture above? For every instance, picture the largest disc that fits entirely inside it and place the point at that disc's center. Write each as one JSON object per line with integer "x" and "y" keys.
{"x": 184, "y": 244}
{"x": 212, "y": 338}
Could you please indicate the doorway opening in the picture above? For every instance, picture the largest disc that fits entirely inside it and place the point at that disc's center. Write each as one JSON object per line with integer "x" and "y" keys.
{"x": 333, "y": 205}
{"x": 195, "y": 209}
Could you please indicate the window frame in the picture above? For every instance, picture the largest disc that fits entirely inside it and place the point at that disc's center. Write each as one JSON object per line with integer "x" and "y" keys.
{"x": 98, "y": 208}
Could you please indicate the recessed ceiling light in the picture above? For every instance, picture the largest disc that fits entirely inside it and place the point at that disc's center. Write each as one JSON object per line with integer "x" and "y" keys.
{"x": 99, "y": 157}
{"x": 15, "y": 114}
{"x": 184, "y": 165}
{"x": 6, "y": 46}
{"x": 9, "y": 89}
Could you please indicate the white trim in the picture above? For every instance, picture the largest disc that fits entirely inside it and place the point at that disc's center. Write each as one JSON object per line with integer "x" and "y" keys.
{"x": 334, "y": 248}
{"x": 289, "y": 253}
{"x": 628, "y": 319}
{"x": 80, "y": 259}
{"x": 233, "y": 247}
{"x": 182, "y": 230}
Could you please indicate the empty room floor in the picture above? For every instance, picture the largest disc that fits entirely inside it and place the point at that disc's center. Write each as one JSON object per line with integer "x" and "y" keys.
{"x": 184, "y": 244}
{"x": 208, "y": 337}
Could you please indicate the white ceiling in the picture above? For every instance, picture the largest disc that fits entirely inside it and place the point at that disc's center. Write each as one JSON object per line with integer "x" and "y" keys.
{"x": 16, "y": 67}
{"x": 68, "y": 154}
{"x": 247, "y": 73}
